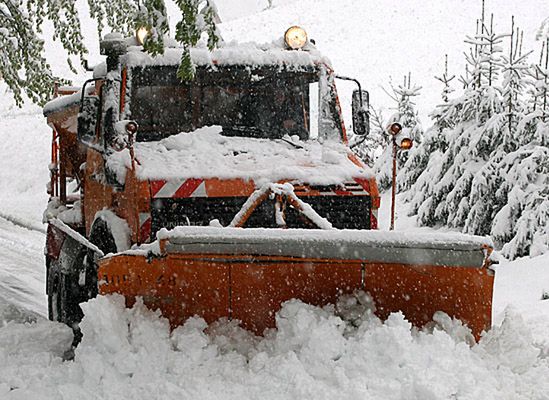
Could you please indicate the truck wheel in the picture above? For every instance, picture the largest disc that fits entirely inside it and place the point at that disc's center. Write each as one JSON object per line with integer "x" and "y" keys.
{"x": 54, "y": 305}
{"x": 64, "y": 297}
{"x": 64, "y": 293}
{"x": 102, "y": 237}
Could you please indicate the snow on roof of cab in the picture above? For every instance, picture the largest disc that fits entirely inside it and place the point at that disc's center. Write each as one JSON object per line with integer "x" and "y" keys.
{"x": 205, "y": 153}
{"x": 253, "y": 54}
{"x": 62, "y": 102}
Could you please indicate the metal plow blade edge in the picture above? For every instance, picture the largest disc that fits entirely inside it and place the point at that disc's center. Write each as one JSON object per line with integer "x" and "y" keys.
{"x": 246, "y": 274}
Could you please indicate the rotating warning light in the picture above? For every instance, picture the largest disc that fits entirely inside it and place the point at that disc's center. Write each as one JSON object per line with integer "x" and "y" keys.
{"x": 394, "y": 129}
{"x": 295, "y": 37}
{"x": 141, "y": 34}
{"x": 406, "y": 144}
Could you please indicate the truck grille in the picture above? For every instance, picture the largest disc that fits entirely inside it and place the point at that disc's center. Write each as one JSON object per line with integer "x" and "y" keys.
{"x": 344, "y": 212}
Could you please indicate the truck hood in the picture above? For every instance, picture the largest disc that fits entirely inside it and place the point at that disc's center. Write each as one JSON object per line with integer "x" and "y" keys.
{"x": 206, "y": 154}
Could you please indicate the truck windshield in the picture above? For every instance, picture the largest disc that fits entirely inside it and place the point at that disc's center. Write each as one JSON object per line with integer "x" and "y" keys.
{"x": 261, "y": 104}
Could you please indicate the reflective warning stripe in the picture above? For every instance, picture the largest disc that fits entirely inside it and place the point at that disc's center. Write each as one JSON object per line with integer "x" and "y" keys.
{"x": 184, "y": 188}
{"x": 364, "y": 183}
{"x": 373, "y": 218}
{"x": 200, "y": 191}
{"x": 145, "y": 225}
{"x": 178, "y": 188}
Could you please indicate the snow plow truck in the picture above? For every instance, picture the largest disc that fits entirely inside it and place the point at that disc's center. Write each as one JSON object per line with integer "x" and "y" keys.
{"x": 226, "y": 195}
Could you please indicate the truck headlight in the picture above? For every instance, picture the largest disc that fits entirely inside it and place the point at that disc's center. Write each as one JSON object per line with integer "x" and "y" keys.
{"x": 141, "y": 34}
{"x": 295, "y": 37}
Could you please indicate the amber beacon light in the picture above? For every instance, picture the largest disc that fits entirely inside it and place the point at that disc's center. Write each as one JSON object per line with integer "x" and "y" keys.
{"x": 405, "y": 144}
{"x": 295, "y": 37}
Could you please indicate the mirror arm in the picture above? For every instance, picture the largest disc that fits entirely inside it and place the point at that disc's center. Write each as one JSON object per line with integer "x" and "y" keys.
{"x": 346, "y": 78}
{"x": 84, "y": 90}
{"x": 358, "y": 142}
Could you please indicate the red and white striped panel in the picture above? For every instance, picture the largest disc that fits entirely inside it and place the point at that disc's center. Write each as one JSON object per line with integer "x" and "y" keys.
{"x": 178, "y": 188}
{"x": 145, "y": 225}
{"x": 181, "y": 188}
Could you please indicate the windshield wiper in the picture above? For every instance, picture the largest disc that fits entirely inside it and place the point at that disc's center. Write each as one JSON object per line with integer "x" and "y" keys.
{"x": 297, "y": 146}
{"x": 254, "y": 132}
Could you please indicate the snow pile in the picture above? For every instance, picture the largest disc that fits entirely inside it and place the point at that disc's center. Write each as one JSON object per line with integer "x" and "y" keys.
{"x": 69, "y": 215}
{"x": 29, "y": 352}
{"x": 374, "y": 238}
{"x": 522, "y": 284}
{"x": 233, "y": 53}
{"x": 280, "y": 189}
{"x": 315, "y": 353}
{"x": 205, "y": 153}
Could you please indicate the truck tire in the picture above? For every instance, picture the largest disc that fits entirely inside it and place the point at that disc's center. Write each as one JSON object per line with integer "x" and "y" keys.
{"x": 102, "y": 237}
{"x": 64, "y": 295}
{"x": 54, "y": 305}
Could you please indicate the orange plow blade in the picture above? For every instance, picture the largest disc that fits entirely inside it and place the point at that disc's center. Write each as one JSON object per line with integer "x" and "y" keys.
{"x": 246, "y": 274}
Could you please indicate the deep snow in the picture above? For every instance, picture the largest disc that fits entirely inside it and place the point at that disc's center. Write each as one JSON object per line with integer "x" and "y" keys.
{"x": 130, "y": 354}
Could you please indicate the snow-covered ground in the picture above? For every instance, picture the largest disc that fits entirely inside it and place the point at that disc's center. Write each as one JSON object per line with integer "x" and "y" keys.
{"x": 314, "y": 354}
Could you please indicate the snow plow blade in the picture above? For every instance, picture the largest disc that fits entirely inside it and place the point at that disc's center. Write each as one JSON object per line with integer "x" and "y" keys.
{"x": 246, "y": 274}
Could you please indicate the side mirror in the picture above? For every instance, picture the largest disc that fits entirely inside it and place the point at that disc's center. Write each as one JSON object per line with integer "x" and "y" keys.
{"x": 87, "y": 119}
{"x": 361, "y": 116}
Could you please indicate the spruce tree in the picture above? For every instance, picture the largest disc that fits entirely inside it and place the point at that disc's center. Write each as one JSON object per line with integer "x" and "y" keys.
{"x": 491, "y": 175}
{"x": 434, "y": 144}
{"x": 467, "y": 121}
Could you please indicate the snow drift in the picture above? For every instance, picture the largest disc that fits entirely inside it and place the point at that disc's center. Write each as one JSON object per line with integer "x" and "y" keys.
{"x": 315, "y": 353}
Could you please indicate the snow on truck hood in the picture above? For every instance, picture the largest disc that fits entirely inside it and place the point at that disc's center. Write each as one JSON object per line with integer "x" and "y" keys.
{"x": 205, "y": 153}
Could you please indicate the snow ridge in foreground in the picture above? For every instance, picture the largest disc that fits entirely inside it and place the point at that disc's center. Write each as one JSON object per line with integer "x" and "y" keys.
{"x": 131, "y": 354}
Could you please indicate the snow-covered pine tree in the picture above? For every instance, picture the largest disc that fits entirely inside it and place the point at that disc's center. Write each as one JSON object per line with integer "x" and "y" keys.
{"x": 493, "y": 178}
{"x": 440, "y": 194}
{"x": 521, "y": 226}
{"x": 503, "y": 136}
{"x": 514, "y": 84}
{"x": 428, "y": 154}
{"x": 22, "y": 61}
{"x": 543, "y": 31}
{"x": 433, "y": 138}
{"x": 406, "y": 115}
{"x": 538, "y": 92}
{"x": 446, "y": 80}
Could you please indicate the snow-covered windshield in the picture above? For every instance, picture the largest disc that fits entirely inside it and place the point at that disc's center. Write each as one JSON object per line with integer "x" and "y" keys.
{"x": 262, "y": 103}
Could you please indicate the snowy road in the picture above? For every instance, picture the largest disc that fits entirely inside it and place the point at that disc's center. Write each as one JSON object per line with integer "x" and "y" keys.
{"x": 22, "y": 267}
